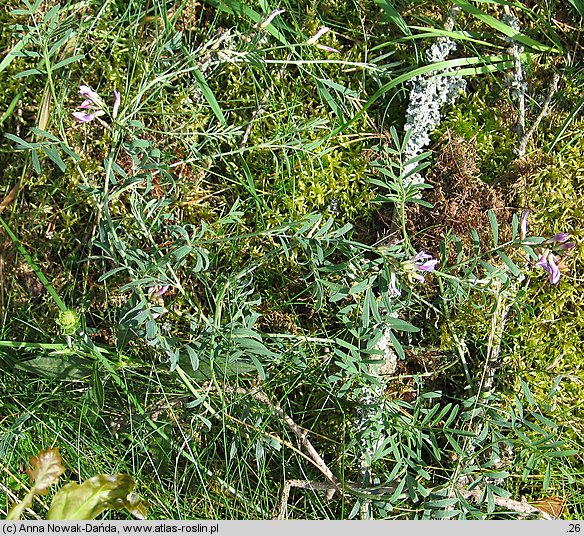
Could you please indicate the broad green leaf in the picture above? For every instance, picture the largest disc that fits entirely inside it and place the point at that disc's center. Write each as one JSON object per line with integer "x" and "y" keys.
{"x": 59, "y": 367}
{"x": 562, "y": 453}
{"x": 544, "y": 420}
{"x": 330, "y": 100}
{"x": 579, "y": 6}
{"x": 476, "y": 242}
{"x": 441, "y": 503}
{"x": 254, "y": 347}
{"x": 193, "y": 356}
{"x": 399, "y": 350}
{"x": 401, "y": 325}
{"x": 54, "y": 155}
{"x": 92, "y": 497}
{"x": 496, "y": 474}
{"x": 67, "y": 61}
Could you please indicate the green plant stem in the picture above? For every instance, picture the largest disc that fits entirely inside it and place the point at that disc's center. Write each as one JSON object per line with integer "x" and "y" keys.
{"x": 34, "y": 266}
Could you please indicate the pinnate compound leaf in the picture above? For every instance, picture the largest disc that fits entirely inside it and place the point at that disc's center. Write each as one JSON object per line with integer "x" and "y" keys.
{"x": 45, "y": 469}
{"x": 97, "y": 494}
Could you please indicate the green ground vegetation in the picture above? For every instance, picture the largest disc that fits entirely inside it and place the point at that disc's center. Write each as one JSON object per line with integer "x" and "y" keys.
{"x": 232, "y": 247}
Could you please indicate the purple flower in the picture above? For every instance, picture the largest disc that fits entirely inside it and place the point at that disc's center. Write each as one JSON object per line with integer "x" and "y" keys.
{"x": 158, "y": 290}
{"x": 118, "y": 99}
{"x": 425, "y": 262}
{"x": 547, "y": 261}
{"x": 422, "y": 262}
{"x": 559, "y": 238}
{"x": 90, "y": 96}
{"x": 93, "y": 105}
{"x": 271, "y": 17}
{"x": 85, "y": 118}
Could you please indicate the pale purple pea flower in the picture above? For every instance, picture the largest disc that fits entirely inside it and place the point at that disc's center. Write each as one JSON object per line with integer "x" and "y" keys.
{"x": 327, "y": 48}
{"x": 271, "y": 17}
{"x": 118, "y": 100}
{"x": 85, "y": 118}
{"x": 94, "y": 105}
{"x": 313, "y": 40}
{"x": 425, "y": 262}
{"x": 91, "y": 96}
{"x": 422, "y": 262}
{"x": 317, "y": 35}
{"x": 559, "y": 238}
{"x": 547, "y": 261}
{"x": 158, "y": 290}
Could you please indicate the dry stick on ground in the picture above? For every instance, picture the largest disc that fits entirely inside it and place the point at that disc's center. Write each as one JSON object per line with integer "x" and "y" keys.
{"x": 516, "y": 506}
{"x": 298, "y": 432}
{"x": 334, "y": 485}
{"x": 302, "y": 438}
{"x": 524, "y": 140}
{"x": 302, "y": 484}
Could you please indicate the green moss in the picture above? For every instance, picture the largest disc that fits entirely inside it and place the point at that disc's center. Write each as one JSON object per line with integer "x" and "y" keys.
{"x": 475, "y": 118}
{"x": 336, "y": 184}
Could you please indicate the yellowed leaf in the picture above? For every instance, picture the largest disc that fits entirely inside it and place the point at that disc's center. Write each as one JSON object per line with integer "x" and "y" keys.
{"x": 97, "y": 494}
{"x": 554, "y": 506}
{"x": 45, "y": 469}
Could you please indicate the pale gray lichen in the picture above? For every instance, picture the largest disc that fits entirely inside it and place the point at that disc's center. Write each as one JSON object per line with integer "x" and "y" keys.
{"x": 516, "y": 80}
{"x": 427, "y": 98}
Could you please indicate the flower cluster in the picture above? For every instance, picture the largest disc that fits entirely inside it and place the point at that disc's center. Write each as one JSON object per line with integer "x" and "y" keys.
{"x": 155, "y": 294}
{"x": 94, "y": 106}
{"x": 550, "y": 256}
{"x": 422, "y": 262}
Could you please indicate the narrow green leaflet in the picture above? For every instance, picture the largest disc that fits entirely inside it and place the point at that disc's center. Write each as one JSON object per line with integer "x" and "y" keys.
{"x": 494, "y": 227}
{"x": 209, "y": 96}
{"x": 510, "y": 264}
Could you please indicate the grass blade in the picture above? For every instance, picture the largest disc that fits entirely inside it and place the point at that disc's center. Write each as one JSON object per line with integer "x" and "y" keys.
{"x": 34, "y": 266}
